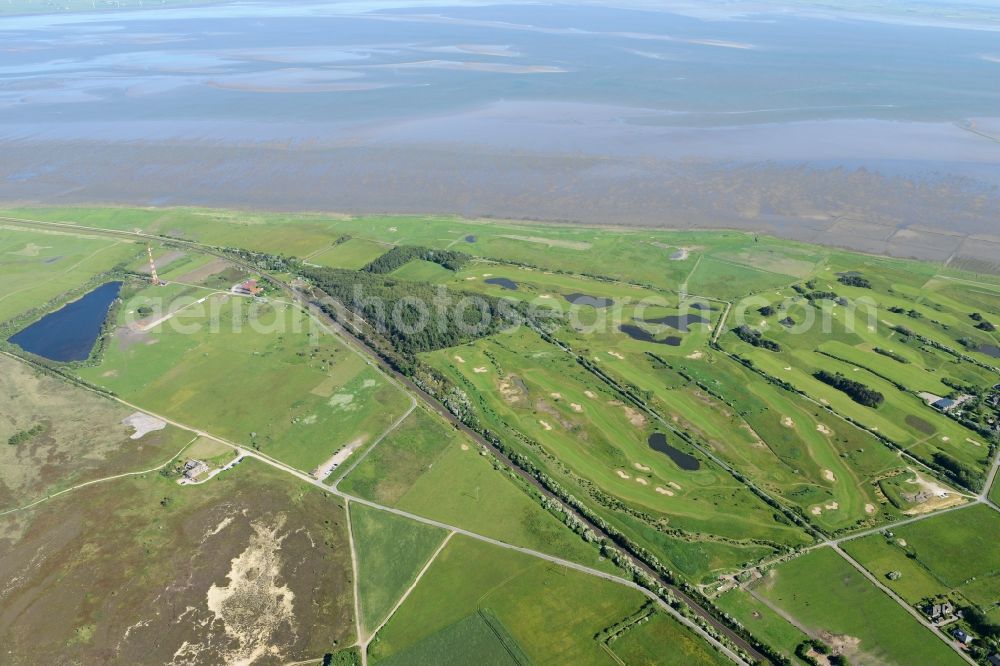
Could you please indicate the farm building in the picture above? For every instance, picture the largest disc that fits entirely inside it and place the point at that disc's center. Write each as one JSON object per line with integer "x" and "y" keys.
{"x": 248, "y": 288}
{"x": 194, "y": 468}
{"x": 961, "y": 636}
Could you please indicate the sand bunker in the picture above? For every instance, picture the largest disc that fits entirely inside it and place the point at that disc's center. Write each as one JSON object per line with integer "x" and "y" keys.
{"x": 480, "y": 370}
{"x": 816, "y": 510}
{"x": 664, "y": 491}
{"x": 635, "y": 417}
{"x": 787, "y": 422}
{"x": 143, "y": 424}
{"x": 640, "y": 467}
{"x": 828, "y": 475}
{"x": 616, "y": 355}
{"x": 575, "y": 407}
{"x": 694, "y": 356}
{"x": 465, "y": 447}
{"x": 832, "y": 506}
{"x": 622, "y": 474}
{"x": 674, "y": 485}
{"x": 545, "y": 425}
{"x": 870, "y": 509}
{"x": 459, "y": 358}
{"x": 590, "y": 394}
{"x": 557, "y": 396}
{"x": 641, "y": 481}
{"x": 823, "y": 429}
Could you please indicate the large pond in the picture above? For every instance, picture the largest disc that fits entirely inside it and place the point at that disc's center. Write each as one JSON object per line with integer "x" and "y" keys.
{"x": 68, "y": 334}
{"x": 658, "y": 442}
{"x": 642, "y": 335}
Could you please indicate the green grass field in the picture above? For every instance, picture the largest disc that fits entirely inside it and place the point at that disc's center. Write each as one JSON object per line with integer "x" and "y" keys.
{"x": 37, "y": 267}
{"x": 353, "y": 254}
{"x": 551, "y": 613}
{"x": 428, "y": 468}
{"x": 663, "y": 641}
{"x": 249, "y": 372}
{"x": 827, "y": 595}
{"x": 946, "y": 555}
{"x": 762, "y": 621}
{"x": 479, "y": 637}
{"x": 391, "y": 551}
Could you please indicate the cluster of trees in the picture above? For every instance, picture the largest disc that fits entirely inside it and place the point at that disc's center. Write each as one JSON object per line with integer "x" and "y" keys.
{"x": 403, "y": 254}
{"x": 754, "y": 337}
{"x": 912, "y": 314}
{"x": 766, "y": 311}
{"x": 853, "y": 280}
{"x": 858, "y": 392}
{"x": 265, "y": 261}
{"x": 414, "y": 317}
{"x": 961, "y": 473}
{"x": 981, "y": 323}
{"x": 25, "y": 435}
{"x": 803, "y": 649}
{"x": 891, "y": 354}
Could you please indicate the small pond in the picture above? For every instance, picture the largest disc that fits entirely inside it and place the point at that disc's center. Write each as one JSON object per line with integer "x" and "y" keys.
{"x": 68, "y": 334}
{"x": 658, "y": 442}
{"x": 642, "y": 335}
{"x": 470, "y": 239}
{"x": 502, "y": 282}
{"x": 989, "y": 350}
{"x": 592, "y": 301}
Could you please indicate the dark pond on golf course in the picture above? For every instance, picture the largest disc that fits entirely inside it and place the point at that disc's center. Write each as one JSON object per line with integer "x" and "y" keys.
{"x": 989, "y": 350}
{"x": 592, "y": 301}
{"x": 642, "y": 335}
{"x": 503, "y": 282}
{"x": 680, "y": 322}
{"x": 658, "y": 442}
{"x": 68, "y": 334}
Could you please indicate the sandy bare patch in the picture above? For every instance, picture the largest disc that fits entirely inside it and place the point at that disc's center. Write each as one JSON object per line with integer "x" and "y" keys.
{"x": 545, "y": 425}
{"x": 575, "y": 407}
{"x": 664, "y": 491}
{"x": 616, "y": 355}
{"x": 695, "y": 355}
{"x": 465, "y": 447}
{"x": 622, "y": 474}
{"x": 590, "y": 394}
{"x": 513, "y": 390}
{"x": 639, "y": 466}
{"x": 338, "y": 458}
{"x": 788, "y": 367}
{"x": 930, "y": 496}
{"x": 253, "y": 607}
{"x": 557, "y": 396}
{"x": 459, "y": 358}
{"x": 641, "y": 481}
{"x": 343, "y": 401}
{"x": 828, "y": 475}
{"x": 823, "y": 429}
{"x": 901, "y": 542}
{"x": 546, "y": 296}
{"x": 143, "y": 424}
{"x": 870, "y": 509}
{"x": 787, "y": 422}
{"x": 480, "y": 370}
{"x": 634, "y": 416}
